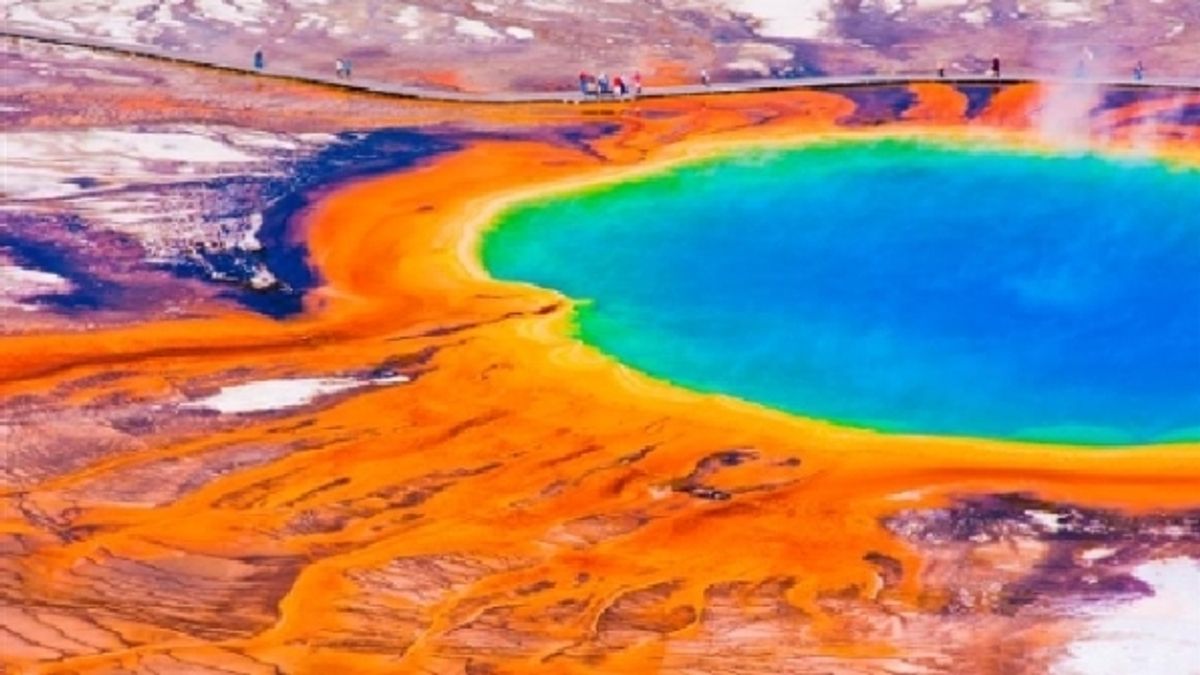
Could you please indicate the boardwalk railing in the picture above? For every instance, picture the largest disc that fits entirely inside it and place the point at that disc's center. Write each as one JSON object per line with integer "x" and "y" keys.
{"x": 568, "y": 95}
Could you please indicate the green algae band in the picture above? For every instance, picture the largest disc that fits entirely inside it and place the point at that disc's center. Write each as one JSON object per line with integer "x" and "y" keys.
{"x": 896, "y": 285}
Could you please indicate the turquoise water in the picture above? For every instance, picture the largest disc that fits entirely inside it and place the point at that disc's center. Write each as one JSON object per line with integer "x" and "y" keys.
{"x": 895, "y": 285}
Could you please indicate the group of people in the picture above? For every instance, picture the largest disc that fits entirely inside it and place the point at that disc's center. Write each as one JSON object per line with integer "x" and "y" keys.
{"x": 600, "y": 86}
{"x": 341, "y": 67}
{"x": 1081, "y": 68}
{"x": 618, "y": 87}
{"x": 993, "y": 70}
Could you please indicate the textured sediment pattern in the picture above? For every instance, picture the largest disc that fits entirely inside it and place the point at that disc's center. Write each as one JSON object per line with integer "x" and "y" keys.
{"x": 421, "y": 471}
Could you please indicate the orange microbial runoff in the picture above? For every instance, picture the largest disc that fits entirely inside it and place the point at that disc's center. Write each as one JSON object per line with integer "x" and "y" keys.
{"x": 518, "y": 502}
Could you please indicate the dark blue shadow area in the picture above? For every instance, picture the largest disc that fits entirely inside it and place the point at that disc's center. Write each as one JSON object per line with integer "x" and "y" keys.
{"x": 1120, "y": 98}
{"x": 106, "y": 270}
{"x": 978, "y": 98}
{"x": 1188, "y": 115}
{"x": 84, "y": 182}
{"x": 581, "y": 137}
{"x": 89, "y": 292}
{"x": 352, "y": 155}
{"x": 877, "y": 105}
{"x": 1183, "y": 115}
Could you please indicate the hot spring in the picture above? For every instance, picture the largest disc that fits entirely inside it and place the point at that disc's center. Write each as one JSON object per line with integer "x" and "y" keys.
{"x": 902, "y": 286}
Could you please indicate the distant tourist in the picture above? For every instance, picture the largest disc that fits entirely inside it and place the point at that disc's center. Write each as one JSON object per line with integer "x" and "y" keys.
{"x": 1139, "y": 71}
{"x": 704, "y": 78}
{"x": 347, "y": 66}
{"x": 259, "y": 60}
{"x": 339, "y": 68}
{"x": 584, "y": 81}
{"x": 1081, "y": 68}
{"x": 637, "y": 83}
{"x": 602, "y": 85}
{"x": 941, "y": 71}
{"x": 619, "y": 86}
{"x": 996, "y": 66}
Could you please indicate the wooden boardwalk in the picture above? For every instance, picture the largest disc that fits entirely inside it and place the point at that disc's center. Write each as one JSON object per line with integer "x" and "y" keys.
{"x": 570, "y": 94}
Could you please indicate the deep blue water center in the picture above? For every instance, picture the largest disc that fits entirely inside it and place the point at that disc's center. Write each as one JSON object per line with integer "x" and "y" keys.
{"x": 902, "y": 286}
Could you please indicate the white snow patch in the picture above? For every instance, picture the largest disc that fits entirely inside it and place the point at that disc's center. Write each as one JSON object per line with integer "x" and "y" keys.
{"x": 978, "y": 16}
{"x": 160, "y": 146}
{"x": 262, "y": 278}
{"x": 1066, "y": 12}
{"x": 313, "y": 21}
{"x": 1099, "y": 553}
{"x": 12, "y": 277}
{"x": 164, "y": 17}
{"x": 227, "y": 11}
{"x": 474, "y": 29}
{"x": 265, "y": 395}
{"x": 1047, "y": 520}
{"x": 787, "y": 18}
{"x": 1065, "y": 8}
{"x": 18, "y": 284}
{"x": 749, "y": 66}
{"x": 550, "y": 5}
{"x": 409, "y": 17}
{"x": 110, "y": 18}
{"x": 762, "y": 51}
{"x": 940, "y": 4}
{"x": 250, "y": 138}
{"x": 1150, "y": 636}
{"x": 40, "y": 165}
{"x": 485, "y": 7}
{"x": 26, "y": 15}
{"x": 519, "y": 32}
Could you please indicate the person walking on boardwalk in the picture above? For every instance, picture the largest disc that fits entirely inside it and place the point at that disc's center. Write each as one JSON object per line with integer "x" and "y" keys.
{"x": 259, "y": 60}
{"x": 996, "y": 66}
{"x": 619, "y": 86}
{"x": 1083, "y": 66}
{"x": 941, "y": 71}
{"x": 1139, "y": 71}
{"x": 704, "y": 78}
{"x": 637, "y": 83}
{"x": 339, "y": 68}
{"x": 584, "y": 81}
{"x": 346, "y": 65}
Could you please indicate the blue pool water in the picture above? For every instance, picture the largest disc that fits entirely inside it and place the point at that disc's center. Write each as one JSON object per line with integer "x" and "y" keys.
{"x": 897, "y": 285}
